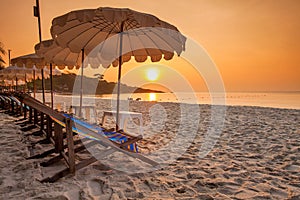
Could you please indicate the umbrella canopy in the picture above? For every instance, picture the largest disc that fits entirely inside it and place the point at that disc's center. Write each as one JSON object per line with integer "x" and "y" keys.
{"x": 62, "y": 57}
{"x": 86, "y": 29}
{"x": 15, "y": 70}
{"x": 55, "y": 72}
{"x": 111, "y": 36}
{"x": 12, "y": 79}
{"x": 57, "y": 55}
{"x": 9, "y": 76}
{"x": 21, "y": 71}
{"x": 29, "y": 61}
{"x": 16, "y": 73}
{"x": 32, "y": 61}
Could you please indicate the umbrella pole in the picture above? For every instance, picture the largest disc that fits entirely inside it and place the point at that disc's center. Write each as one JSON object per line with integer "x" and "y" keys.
{"x": 119, "y": 77}
{"x": 34, "y": 86}
{"x": 51, "y": 85}
{"x": 81, "y": 84}
{"x": 16, "y": 90}
{"x": 43, "y": 85}
{"x": 118, "y": 94}
{"x": 24, "y": 89}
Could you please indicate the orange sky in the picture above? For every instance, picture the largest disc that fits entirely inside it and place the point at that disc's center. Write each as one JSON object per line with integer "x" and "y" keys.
{"x": 254, "y": 43}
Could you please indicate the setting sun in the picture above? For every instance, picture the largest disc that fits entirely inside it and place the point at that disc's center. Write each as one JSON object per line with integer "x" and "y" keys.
{"x": 152, "y": 74}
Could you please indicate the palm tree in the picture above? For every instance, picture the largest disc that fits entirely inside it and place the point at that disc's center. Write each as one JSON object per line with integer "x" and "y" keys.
{"x": 2, "y": 52}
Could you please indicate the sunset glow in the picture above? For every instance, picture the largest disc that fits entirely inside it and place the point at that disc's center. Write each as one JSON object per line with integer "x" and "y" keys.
{"x": 254, "y": 51}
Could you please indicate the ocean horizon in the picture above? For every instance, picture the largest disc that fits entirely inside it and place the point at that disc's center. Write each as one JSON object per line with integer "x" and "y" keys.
{"x": 287, "y": 100}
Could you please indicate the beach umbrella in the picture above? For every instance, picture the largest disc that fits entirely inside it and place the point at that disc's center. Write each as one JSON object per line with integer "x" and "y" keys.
{"x": 5, "y": 82}
{"x": 10, "y": 78}
{"x": 40, "y": 67}
{"x": 29, "y": 61}
{"x": 14, "y": 70}
{"x": 17, "y": 73}
{"x": 60, "y": 57}
{"x": 32, "y": 61}
{"x": 117, "y": 34}
{"x": 50, "y": 73}
{"x": 23, "y": 73}
{"x": 26, "y": 74}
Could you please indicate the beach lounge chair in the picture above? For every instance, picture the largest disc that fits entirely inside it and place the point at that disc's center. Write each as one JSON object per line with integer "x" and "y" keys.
{"x": 19, "y": 107}
{"x": 119, "y": 137}
{"x": 113, "y": 141}
{"x": 11, "y": 103}
{"x": 5, "y": 102}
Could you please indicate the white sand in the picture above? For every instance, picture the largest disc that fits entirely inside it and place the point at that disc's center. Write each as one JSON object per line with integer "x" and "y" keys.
{"x": 256, "y": 157}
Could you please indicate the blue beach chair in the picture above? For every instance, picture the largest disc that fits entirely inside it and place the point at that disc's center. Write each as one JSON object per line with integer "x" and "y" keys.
{"x": 119, "y": 138}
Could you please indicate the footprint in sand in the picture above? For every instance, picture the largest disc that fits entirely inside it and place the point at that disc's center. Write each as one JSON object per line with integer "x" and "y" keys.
{"x": 95, "y": 187}
{"x": 72, "y": 194}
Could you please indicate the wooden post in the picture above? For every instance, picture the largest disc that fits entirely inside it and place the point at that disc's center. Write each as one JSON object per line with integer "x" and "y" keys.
{"x": 58, "y": 138}
{"x": 30, "y": 115}
{"x": 71, "y": 153}
{"x": 12, "y": 106}
{"x": 21, "y": 109}
{"x": 35, "y": 117}
{"x": 42, "y": 121}
{"x": 49, "y": 127}
{"x": 25, "y": 111}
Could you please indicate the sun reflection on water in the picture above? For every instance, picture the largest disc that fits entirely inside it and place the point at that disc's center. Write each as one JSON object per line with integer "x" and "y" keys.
{"x": 152, "y": 97}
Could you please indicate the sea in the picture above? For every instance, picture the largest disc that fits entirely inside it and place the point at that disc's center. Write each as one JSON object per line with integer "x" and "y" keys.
{"x": 288, "y": 100}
